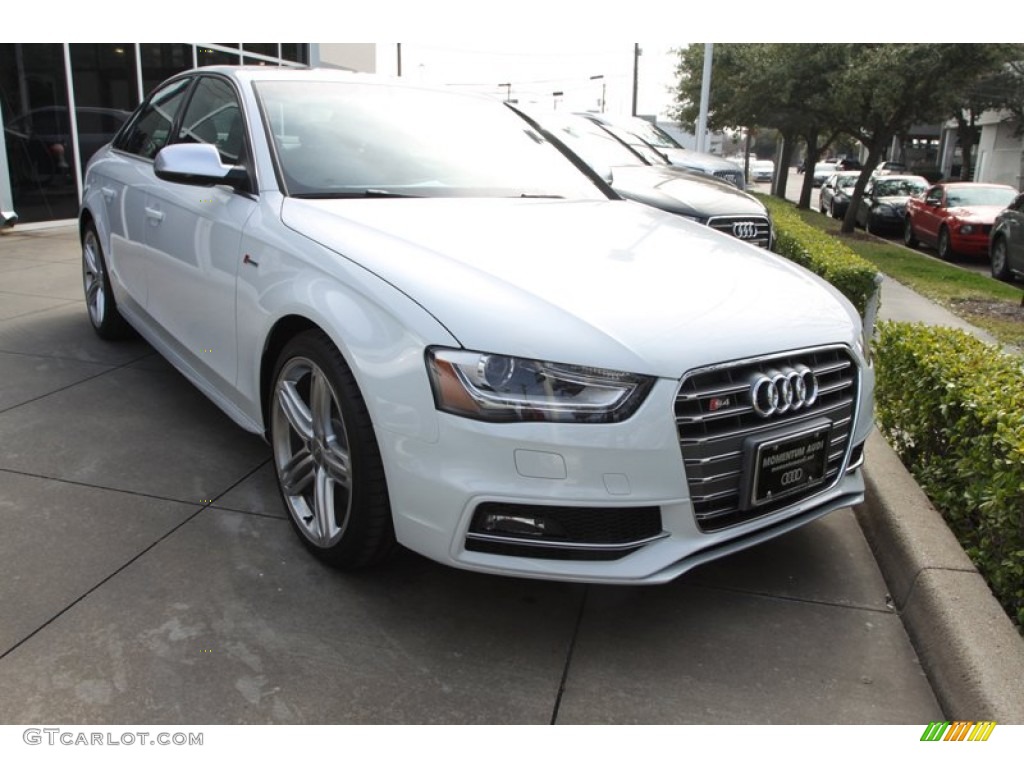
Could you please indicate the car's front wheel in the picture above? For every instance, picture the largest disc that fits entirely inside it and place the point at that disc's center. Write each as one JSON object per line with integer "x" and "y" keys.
{"x": 99, "y": 298}
{"x": 998, "y": 259}
{"x": 909, "y": 239}
{"x": 329, "y": 468}
{"x": 945, "y": 247}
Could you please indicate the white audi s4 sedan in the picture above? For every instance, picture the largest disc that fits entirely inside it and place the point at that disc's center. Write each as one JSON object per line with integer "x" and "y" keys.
{"x": 455, "y": 339}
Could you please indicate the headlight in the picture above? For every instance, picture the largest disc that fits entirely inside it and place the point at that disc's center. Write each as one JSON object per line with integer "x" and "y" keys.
{"x": 966, "y": 229}
{"x": 886, "y": 210}
{"x": 490, "y": 387}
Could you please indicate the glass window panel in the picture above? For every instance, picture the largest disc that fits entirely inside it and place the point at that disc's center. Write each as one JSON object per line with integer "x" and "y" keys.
{"x": 34, "y": 102}
{"x": 106, "y": 91}
{"x": 163, "y": 60}
{"x": 266, "y": 49}
{"x": 298, "y": 52}
{"x": 209, "y": 57}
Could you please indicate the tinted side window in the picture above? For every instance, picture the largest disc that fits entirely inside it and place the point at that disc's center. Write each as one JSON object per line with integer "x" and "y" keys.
{"x": 214, "y": 117}
{"x": 934, "y": 196}
{"x": 151, "y": 128}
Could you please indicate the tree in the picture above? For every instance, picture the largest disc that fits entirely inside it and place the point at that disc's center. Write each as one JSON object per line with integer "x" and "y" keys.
{"x": 889, "y": 87}
{"x": 770, "y": 85}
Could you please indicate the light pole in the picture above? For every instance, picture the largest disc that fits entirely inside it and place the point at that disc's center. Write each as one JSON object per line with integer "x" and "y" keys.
{"x": 603, "y": 85}
{"x": 556, "y": 95}
{"x": 508, "y": 90}
{"x": 636, "y": 73}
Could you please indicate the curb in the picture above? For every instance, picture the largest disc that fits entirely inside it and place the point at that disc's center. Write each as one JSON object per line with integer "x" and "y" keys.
{"x": 967, "y": 645}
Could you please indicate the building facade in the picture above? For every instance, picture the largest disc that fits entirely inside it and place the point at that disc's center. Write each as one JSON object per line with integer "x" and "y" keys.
{"x": 60, "y": 102}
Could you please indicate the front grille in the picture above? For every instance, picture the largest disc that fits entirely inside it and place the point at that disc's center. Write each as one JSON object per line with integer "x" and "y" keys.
{"x": 759, "y": 228}
{"x": 715, "y": 415}
{"x": 733, "y": 177}
{"x": 564, "y": 533}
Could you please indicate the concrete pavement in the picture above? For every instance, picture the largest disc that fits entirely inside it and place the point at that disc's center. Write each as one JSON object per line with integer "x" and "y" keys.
{"x": 151, "y": 576}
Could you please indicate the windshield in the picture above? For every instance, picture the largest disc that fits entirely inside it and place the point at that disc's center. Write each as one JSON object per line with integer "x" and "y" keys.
{"x": 652, "y": 134}
{"x": 340, "y": 139}
{"x": 595, "y": 146}
{"x": 900, "y": 187}
{"x": 846, "y": 182}
{"x": 979, "y": 196}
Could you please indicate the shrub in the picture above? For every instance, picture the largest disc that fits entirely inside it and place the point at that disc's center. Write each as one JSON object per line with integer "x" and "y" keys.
{"x": 953, "y": 409}
{"x": 824, "y": 255}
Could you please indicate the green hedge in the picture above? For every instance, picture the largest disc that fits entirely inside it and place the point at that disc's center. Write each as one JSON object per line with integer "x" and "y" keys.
{"x": 953, "y": 409}
{"x": 822, "y": 254}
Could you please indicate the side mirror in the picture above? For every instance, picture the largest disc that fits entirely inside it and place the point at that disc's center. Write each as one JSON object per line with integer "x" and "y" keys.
{"x": 197, "y": 164}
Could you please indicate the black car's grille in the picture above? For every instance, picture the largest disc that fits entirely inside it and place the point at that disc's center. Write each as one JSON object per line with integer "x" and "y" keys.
{"x": 715, "y": 417}
{"x": 733, "y": 177}
{"x": 750, "y": 229}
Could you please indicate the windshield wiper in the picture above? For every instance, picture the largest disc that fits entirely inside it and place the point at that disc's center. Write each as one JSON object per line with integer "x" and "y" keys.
{"x": 350, "y": 194}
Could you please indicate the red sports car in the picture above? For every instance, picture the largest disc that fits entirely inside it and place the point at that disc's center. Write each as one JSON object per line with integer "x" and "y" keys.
{"x": 956, "y": 217}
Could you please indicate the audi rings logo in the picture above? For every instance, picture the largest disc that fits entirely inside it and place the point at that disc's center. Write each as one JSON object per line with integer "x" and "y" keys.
{"x": 792, "y": 476}
{"x": 744, "y": 230}
{"x": 782, "y": 391}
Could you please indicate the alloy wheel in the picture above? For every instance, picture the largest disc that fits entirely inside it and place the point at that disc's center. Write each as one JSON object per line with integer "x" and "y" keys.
{"x": 311, "y": 452}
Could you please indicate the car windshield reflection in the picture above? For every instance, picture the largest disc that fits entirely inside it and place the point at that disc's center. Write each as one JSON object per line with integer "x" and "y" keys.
{"x": 353, "y": 140}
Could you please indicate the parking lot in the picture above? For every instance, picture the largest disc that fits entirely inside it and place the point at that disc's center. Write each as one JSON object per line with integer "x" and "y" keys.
{"x": 151, "y": 576}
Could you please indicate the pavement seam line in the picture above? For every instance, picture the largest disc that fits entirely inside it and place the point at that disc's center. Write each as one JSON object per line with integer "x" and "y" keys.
{"x": 137, "y": 493}
{"x": 791, "y": 599}
{"x": 110, "y": 368}
{"x": 568, "y": 656}
{"x": 117, "y": 571}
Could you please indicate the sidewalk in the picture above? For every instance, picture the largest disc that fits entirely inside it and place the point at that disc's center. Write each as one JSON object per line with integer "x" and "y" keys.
{"x": 970, "y": 650}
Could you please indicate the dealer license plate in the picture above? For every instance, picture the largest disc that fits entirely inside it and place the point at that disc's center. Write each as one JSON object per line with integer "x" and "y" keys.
{"x": 783, "y": 467}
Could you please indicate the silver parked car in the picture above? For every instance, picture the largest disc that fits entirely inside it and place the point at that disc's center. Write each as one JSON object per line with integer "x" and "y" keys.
{"x": 650, "y": 179}
{"x": 639, "y": 132}
{"x": 455, "y": 339}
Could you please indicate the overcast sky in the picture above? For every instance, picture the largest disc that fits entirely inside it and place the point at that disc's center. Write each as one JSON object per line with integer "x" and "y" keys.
{"x": 534, "y": 72}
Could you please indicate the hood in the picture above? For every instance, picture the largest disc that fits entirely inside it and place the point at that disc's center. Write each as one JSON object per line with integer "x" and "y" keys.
{"x": 605, "y": 283}
{"x": 678, "y": 191}
{"x": 985, "y": 214}
{"x": 687, "y": 158}
{"x": 897, "y": 201}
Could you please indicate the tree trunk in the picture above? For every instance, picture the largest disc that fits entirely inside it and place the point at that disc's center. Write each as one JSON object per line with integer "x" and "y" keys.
{"x": 968, "y": 135}
{"x": 875, "y": 151}
{"x": 782, "y": 162}
{"x": 809, "y": 163}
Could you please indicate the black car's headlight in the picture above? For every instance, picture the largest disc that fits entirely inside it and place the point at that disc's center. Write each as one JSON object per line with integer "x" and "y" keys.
{"x": 491, "y": 387}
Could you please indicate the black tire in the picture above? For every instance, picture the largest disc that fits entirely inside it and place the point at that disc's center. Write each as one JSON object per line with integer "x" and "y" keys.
{"x": 999, "y": 261}
{"x": 868, "y": 225}
{"x": 943, "y": 246}
{"x": 908, "y": 233}
{"x": 832, "y": 209}
{"x": 326, "y": 458}
{"x": 99, "y": 298}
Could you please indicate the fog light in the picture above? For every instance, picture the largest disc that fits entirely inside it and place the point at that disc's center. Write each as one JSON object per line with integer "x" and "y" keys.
{"x": 520, "y": 525}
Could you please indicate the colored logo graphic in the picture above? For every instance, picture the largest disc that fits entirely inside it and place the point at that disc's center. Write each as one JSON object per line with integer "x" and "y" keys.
{"x": 959, "y": 730}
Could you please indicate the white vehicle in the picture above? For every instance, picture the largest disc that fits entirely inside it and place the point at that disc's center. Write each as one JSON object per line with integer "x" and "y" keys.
{"x": 455, "y": 339}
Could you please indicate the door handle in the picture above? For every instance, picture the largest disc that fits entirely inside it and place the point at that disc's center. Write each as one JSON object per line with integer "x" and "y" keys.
{"x": 154, "y": 215}
{"x": 108, "y": 194}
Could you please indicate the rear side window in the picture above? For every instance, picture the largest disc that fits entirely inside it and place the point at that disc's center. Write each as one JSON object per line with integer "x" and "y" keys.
{"x": 150, "y": 130}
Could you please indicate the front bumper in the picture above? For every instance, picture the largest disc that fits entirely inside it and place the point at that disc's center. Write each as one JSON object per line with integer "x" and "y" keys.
{"x": 975, "y": 244}
{"x": 438, "y": 487}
